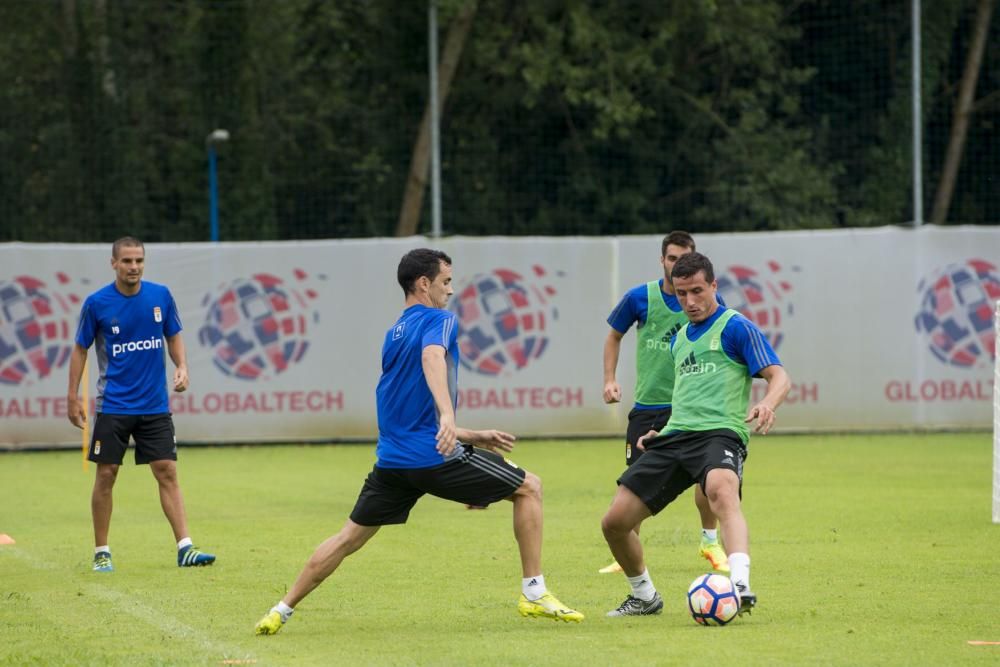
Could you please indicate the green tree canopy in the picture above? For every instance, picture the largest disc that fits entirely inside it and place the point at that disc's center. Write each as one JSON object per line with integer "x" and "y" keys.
{"x": 564, "y": 117}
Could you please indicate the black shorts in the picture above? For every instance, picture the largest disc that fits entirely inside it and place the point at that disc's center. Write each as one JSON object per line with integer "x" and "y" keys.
{"x": 639, "y": 424}
{"x": 477, "y": 477}
{"x": 674, "y": 462}
{"x": 153, "y": 435}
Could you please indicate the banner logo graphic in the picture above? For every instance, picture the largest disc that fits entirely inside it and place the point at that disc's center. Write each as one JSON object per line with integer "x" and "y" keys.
{"x": 956, "y": 312}
{"x": 36, "y": 327}
{"x": 760, "y": 296}
{"x": 503, "y": 320}
{"x": 257, "y": 327}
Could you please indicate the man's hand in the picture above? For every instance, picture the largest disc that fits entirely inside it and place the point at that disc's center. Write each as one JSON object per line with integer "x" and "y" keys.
{"x": 778, "y": 384}
{"x": 764, "y": 414}
{"x": 640, "y": 443}
{"x": 180, "y": 378}
{"x": 493, "y": 440}
{"x": 76, "y": 412}
{"x": 447, "y": 435}
{"x": 612, "y": 346}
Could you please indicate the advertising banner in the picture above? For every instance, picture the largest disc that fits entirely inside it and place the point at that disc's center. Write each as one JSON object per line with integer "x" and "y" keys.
{"x": 884, "y": 328}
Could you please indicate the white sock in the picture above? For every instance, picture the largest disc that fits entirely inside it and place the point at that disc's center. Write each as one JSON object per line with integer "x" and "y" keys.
{"x": 709, "y": 535}
{"x": 105, "y": 548}
{"x": 739, "y": 568}
{"x": 533, "y": 587}
{"x": 284, "y": 610}
{"x": 642, "y": 586}
{"x": 185, "y": 542}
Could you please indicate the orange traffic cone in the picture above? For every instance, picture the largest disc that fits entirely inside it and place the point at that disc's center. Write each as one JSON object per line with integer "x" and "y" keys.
{"x": 6, "y": 539}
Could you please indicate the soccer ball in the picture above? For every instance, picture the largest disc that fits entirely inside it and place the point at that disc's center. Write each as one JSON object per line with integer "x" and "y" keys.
{"x": 712, "y": 600}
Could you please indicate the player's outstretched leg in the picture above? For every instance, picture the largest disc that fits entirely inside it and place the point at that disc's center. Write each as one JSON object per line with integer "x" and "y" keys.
{"x": 324, "y": 561}
{"x": 536, "y": 600}
{"x": 722, "y": 486}
{"x": 627, "y": 511}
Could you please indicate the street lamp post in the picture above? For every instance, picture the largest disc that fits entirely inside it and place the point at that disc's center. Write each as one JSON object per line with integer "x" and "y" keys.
{"x": 214, "y": 137}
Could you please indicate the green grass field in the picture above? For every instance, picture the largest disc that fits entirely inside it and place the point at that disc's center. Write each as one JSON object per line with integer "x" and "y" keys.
{"x": 874, "y": 550}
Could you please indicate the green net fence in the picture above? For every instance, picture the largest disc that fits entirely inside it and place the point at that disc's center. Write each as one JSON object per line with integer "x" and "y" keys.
{"x": 560, "y": 118}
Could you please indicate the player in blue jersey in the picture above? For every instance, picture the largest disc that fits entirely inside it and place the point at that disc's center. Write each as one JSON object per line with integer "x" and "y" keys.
{"x": 422, "y": 450}
{"x": 654, "y": 309}
{"x": 128, "y": 322}
{"x": 716, "y": 356}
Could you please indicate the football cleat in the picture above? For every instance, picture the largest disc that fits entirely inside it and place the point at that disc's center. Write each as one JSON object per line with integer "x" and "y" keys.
{"x": 102, "y": 562}
{"x": 633, "y": 606}
{"x": 747, "y": 599}
{"x": 190, "y": 556}
{"x": 269, "y": 625}
{"x": 547, "y": 606}
{"x": 614, "y": 568}
{"x": 714, "y": 554}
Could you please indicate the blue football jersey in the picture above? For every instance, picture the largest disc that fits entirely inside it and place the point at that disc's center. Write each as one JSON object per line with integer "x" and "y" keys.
{"x": 128, "y": 333}
{"x": 407, "y": 416}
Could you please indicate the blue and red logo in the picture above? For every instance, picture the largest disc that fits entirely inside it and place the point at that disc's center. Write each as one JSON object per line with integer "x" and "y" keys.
{"x": 503, "y": 320}
{"x": 956, "y": 312}
{"x": 36, "y": 327}
{"x": 760, "y": 296}
{"x": 257, "y": 327}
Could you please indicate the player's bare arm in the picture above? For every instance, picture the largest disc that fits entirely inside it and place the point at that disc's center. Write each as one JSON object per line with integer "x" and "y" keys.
{"x": 778, "y": 384}
{"x": 436, "y": 374}
{"x": 178, "y": 355}
{"x": 612, "y": 347}
{"x": 75, "y": 409}
{"x": 492, "y": 439}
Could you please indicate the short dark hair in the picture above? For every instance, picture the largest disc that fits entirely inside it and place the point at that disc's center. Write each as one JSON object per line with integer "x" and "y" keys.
{"x": 417, "y": 264}
{"x": 126, "y": 242}
{"x": 683, "y": 239}
{"x": 690, "y": 264}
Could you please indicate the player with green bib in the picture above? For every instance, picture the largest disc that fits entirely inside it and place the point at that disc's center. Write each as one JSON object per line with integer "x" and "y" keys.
{"x": 716, "y": 356}
{"x": 654, "y": 309}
